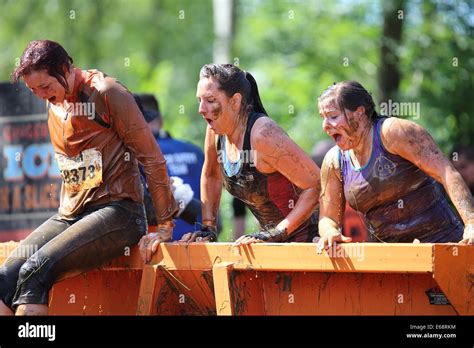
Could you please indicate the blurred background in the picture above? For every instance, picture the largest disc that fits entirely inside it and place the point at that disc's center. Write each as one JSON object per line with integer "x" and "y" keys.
{"x": 405, "y": 51}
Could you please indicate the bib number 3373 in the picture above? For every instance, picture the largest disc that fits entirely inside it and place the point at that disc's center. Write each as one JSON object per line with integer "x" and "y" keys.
{"x": 81, "y": 172}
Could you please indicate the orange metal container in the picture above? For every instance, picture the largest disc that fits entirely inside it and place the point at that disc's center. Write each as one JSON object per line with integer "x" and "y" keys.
{"x": 276, "y": 279}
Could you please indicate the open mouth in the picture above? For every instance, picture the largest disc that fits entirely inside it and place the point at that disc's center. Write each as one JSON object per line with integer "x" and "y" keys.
{"x": 336, "y": 137}
{"x": 52, "y": 99}
{"x": 208, "y": 120}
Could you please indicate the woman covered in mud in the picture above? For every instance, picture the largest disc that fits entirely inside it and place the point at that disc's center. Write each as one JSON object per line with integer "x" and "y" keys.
{"x": 98, "y": 133}
{"x": 390, "y": 170}
{"x": 255, "y": 160}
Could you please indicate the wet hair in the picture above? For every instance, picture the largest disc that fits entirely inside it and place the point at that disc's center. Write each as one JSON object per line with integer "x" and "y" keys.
{"x": 150, "y": 102}
{"x": 233, "y": 80}
{"x": 350, "y": 95}
{"x": 44, "y": 55}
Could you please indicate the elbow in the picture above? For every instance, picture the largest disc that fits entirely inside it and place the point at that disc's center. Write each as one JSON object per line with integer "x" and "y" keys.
{"x": 207, "y": 177}
{"x": 211, "y": 177}
{"x": 210, "y": 172}
{"x": 314, "y": 183}
{"x": 309, "y": 200}
{"x": 313, "y": 191}
{"x": 317, "y": 188}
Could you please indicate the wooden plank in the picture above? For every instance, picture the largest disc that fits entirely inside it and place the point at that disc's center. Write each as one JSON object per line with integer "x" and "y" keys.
{"x": 222, "y": 292}
{"x": 147, "y": 294}
{"x": 274, "y": 279}
{"x": 352, "y": 257}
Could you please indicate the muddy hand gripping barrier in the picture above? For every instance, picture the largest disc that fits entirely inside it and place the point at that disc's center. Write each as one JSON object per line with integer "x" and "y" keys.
{"x": 275, "y": 279}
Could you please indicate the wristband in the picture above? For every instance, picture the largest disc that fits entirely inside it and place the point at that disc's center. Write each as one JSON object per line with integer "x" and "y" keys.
{"x": 274, "y": 234}
{"x": 207, "y": 231}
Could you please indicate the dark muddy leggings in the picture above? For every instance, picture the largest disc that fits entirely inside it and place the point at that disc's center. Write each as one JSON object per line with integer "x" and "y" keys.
{"x": 61, "y": 248}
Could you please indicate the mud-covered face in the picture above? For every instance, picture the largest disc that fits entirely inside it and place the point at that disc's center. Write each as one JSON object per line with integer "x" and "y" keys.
{"x": 45, "y": 86}
{"x": 346, "y": 130}
{"x": 217, "y": 109}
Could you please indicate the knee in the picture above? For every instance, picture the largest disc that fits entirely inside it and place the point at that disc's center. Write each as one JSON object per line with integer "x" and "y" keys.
{"x": 8, "y": 277}
{"x": 8, "y": 280}
{"x": 33, "y": 282}
{"x": 34, "y": 269}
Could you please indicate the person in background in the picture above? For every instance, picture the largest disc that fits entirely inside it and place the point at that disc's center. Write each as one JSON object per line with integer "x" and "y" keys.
{"x": 353, "y": 224}
{"x": 391, "y": 170}
{"x": 184, "y": 162}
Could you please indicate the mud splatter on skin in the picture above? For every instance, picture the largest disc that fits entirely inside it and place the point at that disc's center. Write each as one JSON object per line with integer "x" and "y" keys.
{"x": 279, "y": 136}
{"x": 216, "y": 110}
{"x": 423, "y": 144}
{"x": 353, "y": 124}
{"x": 350, "y": 134}
{"x": 329, "y": 169}
{"x": 272, "y": 131}
{"x": 282, "y": 150}
{"x": 424, "y": 147}
{"x": 355, "y": 127}
{"x": 463, "y": 199}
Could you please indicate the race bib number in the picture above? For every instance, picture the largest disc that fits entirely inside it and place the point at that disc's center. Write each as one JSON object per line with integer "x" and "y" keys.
{"x": 81, "y": 172}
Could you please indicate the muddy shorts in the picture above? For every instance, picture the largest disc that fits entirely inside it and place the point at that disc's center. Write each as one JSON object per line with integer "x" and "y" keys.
{"x": 61, "y": 248}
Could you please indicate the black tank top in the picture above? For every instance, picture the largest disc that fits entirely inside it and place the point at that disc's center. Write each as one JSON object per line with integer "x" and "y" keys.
{"x": 270, "y": 197}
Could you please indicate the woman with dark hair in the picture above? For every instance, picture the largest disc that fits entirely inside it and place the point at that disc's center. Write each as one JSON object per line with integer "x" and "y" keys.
{"x": 254, "y": 159}
{"x": 98, "y": 133}
{"x": 390, "y": 170}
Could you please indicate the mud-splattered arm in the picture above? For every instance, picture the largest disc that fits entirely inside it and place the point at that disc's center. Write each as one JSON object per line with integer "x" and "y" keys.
{"x": 274, "y": 147}
{"x": 412, "y": 142}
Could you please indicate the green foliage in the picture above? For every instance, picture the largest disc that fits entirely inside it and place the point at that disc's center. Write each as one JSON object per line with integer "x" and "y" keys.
{"x": 152, "y": 46}
{"x": 298, "y": 49}
{"x": 438, "y": 67}
{"x": 294, "y": 48}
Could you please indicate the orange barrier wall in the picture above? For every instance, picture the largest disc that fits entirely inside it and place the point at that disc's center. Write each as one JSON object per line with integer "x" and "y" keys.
{"x": 277, "y": 279}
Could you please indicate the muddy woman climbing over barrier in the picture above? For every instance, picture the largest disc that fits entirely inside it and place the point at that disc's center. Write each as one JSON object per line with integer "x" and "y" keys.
{"x": 101, "y": 208}
{"x": 254, "y": 159}
{"x": 390, "y": 170}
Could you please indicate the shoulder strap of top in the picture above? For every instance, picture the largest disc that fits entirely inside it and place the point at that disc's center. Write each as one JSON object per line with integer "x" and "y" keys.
{"x": 253, "y": 117}
{"x": 377, "y": 130}
{"x": 218, "y": 143}
{"x": 339, "y": 158}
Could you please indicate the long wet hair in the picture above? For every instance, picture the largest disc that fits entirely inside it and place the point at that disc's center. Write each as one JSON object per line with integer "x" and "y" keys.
{"x": 350, "y": 95}
{"x": 44, "y": 55}
{"x": 233, "y": 80}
